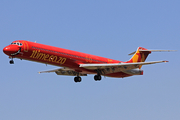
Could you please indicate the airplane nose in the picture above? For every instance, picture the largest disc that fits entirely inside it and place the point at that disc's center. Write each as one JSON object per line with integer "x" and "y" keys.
{"x": 8, "y": 50}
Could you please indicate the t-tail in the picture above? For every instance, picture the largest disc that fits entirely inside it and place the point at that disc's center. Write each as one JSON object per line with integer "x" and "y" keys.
{"x": 142, "y": 53}
{"x": 139, "y": 56}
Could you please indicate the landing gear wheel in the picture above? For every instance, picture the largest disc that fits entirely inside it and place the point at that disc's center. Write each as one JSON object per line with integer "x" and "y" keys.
{"x": 97, "y": 77}
{"x": 77, "y": 79}
{"x": 11, "y": 62}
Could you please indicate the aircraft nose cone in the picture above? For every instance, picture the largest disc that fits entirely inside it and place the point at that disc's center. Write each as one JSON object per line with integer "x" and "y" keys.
{"x": 10, "y": 49}
{"x": 6, "y": 49}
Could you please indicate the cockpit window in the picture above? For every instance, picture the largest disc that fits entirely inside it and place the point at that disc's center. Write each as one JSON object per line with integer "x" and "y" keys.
{"x": 17, "y": 43}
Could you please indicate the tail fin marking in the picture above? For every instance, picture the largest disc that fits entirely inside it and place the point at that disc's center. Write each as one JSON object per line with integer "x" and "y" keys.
{"x": 139, "y": 56}
{"x": 142, "y": 53}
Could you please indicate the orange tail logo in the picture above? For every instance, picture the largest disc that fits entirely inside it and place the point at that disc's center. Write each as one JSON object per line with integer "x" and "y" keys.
{"x": 139, "y": 56}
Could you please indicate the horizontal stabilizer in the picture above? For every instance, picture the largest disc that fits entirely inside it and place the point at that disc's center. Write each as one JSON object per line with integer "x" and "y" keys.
{"x": 152, "y": 51}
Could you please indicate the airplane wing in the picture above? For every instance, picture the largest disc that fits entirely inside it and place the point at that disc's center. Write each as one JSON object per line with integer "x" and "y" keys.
{"x": 64, "y": 71}
{"x": 123, "y": 66}
{"x": 102, "y": 68}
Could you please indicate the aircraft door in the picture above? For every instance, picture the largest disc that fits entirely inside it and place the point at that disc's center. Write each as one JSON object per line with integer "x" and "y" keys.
{"x": 26, "y": 47}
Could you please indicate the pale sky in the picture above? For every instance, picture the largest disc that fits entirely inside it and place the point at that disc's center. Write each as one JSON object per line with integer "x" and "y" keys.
{"x": 108, "y": 28}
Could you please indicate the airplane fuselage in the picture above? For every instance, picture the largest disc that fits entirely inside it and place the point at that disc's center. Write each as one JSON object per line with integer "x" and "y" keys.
{"x": 58, "y": 57}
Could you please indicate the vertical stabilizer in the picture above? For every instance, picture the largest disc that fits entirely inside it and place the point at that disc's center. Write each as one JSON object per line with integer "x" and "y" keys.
{"x": 139, "y": 56}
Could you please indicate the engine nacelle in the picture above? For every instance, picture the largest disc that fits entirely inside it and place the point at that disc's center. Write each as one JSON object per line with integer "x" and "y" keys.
{"x": 134, "y": 72}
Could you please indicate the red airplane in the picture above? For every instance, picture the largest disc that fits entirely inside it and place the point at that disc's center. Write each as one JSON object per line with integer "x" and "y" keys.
{"x": 78, "y": 64}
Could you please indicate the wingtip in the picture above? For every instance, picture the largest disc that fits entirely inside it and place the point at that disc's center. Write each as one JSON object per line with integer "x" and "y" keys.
{"x": 165, "y": 61}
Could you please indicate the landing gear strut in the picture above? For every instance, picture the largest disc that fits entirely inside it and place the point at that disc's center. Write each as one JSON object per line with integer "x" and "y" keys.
{"x": 97, "y": 77}
{"x": 11, "y": 61}
{"x": 77, "y": 79}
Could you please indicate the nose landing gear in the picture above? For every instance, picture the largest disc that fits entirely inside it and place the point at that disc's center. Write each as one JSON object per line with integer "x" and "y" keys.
{"x": 11, "y": 61}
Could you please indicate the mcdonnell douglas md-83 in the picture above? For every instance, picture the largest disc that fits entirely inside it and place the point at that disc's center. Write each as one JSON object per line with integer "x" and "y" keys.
{"x": 78, "y": 64}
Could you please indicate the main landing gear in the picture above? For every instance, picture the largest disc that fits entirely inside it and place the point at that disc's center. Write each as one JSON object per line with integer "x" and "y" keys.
{"x": 77, "y": 79}
{"x": 97, "y": 77}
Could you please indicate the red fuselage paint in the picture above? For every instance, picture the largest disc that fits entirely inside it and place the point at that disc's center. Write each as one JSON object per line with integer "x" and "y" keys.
{"x": 58, "y": 56}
